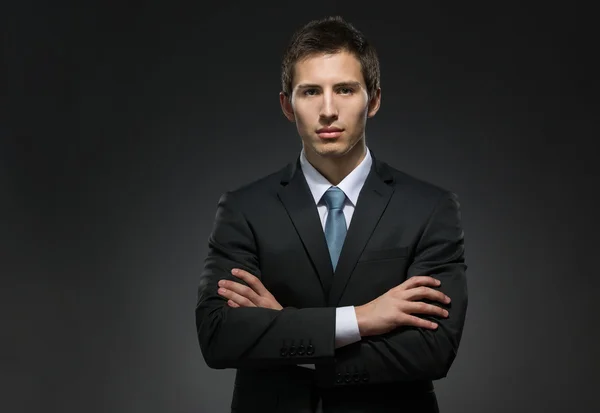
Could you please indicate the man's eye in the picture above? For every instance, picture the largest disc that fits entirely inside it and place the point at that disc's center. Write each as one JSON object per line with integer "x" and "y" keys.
{"x": 310, "y": 92}
{"x": 345, "y": 90}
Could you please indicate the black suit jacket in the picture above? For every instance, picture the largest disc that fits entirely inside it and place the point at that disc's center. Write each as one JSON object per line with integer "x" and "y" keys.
{"x": 401, "y": 227}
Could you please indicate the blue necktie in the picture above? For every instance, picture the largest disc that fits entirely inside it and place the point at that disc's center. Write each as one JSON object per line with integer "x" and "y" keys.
{"x": 335, "y": 226}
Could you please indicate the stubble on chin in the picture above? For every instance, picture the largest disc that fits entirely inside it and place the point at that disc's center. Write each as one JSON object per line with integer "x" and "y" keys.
{"x": 329, "y": 150}
{"x": 337, "y": 150}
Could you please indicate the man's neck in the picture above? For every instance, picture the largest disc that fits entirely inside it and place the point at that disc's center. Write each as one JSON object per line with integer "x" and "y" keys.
{"x": 336, "y": 169}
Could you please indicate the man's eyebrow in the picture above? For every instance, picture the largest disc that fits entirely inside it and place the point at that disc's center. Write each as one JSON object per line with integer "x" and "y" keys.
{"x": 341, "y": 84}
{"x": 349, "y": 84}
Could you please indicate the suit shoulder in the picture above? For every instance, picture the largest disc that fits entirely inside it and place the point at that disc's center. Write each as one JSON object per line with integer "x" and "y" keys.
{"x": 418, "y": 187}
{"x": 257, "y": 188}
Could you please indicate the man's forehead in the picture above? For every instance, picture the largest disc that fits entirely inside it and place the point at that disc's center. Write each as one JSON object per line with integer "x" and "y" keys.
{"x": 330, "y": 58}
{"x": 327, "y": 68}
{"x": 346, "y": 83}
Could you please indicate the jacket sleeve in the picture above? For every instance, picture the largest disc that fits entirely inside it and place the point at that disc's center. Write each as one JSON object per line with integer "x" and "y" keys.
{"x": 413, "y": 353}
{"x": 252, "y": 336}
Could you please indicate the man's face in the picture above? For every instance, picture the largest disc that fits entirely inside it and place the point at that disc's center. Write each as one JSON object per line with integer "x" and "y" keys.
{"x": 329, "y": 103}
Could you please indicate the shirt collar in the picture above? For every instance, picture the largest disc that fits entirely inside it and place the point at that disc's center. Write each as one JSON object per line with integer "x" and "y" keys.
{"x": 351, "y": 184}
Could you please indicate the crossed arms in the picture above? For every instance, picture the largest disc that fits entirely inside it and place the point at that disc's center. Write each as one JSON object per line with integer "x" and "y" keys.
{"x": 245, "y": 326}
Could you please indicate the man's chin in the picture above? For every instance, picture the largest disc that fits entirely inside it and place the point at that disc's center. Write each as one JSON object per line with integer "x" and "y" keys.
{"x": 331, "y": 151}
{"x": 331, "y": 148}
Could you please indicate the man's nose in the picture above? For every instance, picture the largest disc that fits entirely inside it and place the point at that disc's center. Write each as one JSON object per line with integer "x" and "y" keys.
{"x": 328, "y": 107}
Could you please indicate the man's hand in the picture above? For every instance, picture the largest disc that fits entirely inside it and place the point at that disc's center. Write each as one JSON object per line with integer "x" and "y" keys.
{"x": 239, "y": 295}
{"x": 394, "y": 308}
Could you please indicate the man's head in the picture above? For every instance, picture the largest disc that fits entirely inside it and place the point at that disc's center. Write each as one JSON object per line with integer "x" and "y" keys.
{"x": 330, "y": 81}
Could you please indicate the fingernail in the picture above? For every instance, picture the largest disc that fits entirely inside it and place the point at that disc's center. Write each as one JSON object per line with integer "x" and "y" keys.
{"x": 447, "y": 299}
{"x": 445, "y": 313}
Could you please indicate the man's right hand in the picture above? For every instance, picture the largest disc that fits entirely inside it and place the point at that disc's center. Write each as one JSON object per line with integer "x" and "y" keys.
{"x": 395, "y": 308}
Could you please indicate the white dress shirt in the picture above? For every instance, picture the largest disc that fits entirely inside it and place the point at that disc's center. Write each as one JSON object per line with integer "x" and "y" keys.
{"x": 346, "y": 326}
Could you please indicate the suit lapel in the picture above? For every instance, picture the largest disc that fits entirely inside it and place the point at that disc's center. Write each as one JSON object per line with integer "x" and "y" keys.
{"x": 300, "y": 205}
{"x": 372, "y": 201}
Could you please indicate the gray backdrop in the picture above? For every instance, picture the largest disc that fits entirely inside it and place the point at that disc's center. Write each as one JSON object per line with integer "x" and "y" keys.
{"x": 122, "y": 126}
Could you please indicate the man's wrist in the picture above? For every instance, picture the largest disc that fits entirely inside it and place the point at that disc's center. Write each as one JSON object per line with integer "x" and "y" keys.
{"x": 360, "y": 312}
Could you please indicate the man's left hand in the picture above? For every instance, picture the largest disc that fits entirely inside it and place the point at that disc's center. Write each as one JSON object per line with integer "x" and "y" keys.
{"x": 239, "y": 295}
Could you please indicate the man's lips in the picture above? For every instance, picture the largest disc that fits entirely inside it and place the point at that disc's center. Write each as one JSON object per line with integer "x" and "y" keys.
{"x": 326, "y": 133}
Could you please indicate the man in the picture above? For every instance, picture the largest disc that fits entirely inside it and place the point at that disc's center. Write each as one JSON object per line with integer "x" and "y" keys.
{"x": 327, "y": 284}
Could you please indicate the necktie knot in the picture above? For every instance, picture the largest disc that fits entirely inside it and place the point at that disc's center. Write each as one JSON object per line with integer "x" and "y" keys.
{"x": 334, "y": 198}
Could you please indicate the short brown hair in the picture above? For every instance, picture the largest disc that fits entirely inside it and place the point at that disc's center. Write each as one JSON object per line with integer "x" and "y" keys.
{"x": 330, "y": 35}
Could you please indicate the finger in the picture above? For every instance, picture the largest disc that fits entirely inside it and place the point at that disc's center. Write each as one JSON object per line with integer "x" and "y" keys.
{"x": 240, "y": 289}
{"x": 252, "y": 280}
{"x": 419, "y": 307}
{"x": 236, "y": 298}
{"x": 420, "y": 293}
{"x": 420, "y": 280}
{"x": 419, "y": 322}
{"x": 231, "y": 303}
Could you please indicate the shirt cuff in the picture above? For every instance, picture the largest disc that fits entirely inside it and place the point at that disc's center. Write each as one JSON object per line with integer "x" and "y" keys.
{"x": 346, "y": 326}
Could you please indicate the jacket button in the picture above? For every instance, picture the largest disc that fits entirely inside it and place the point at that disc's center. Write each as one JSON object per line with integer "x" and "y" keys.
{"x": 292, "y": 351}
{"x": 301, "y": 350}
{"x": 310, "y": 350}
{"x": 283, "y": 352}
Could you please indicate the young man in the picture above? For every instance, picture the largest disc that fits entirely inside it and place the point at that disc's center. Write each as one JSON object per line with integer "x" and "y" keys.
{"x": 327, "y": 284}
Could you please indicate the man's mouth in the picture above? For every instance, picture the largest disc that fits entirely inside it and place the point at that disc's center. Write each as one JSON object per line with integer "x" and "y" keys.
{"x": 329, "y": 133}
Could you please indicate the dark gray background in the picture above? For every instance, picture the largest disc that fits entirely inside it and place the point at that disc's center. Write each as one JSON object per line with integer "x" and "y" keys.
{"x": 122, "y": 126}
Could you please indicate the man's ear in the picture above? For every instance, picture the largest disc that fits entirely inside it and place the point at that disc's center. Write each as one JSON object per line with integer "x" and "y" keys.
{"x": 374, "y": 103}
{"x": 286, "y": 106}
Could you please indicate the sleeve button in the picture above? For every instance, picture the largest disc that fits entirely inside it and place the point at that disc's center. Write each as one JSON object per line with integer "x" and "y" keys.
{"x": 310, "y": 350}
